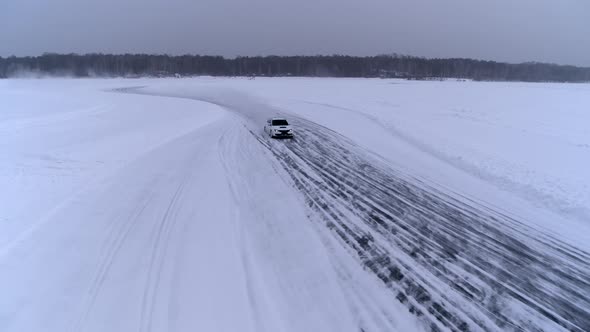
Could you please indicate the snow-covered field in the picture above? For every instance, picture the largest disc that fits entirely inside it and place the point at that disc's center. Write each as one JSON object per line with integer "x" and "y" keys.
{"x": 159, "y": 205}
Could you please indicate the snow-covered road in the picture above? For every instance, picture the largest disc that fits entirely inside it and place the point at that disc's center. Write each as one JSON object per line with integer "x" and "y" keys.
{"x": 456, "y": 263}
{"x": 179, "y": 221}
{"x": 163, "y": 207}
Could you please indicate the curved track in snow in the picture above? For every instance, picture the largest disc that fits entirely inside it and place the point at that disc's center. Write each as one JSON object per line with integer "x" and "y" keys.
{"x": 127, "y": 213}
{"x": 456, "y": 264}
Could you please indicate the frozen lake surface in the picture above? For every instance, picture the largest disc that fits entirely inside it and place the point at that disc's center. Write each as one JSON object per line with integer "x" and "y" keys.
{"x": 161, "y": 205}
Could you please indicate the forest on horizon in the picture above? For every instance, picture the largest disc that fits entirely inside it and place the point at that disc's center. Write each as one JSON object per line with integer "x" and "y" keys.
{"x": 385, "y": 66}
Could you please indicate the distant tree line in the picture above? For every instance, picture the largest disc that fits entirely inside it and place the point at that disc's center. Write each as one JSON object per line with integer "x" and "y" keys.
{"x": 400, "y": 66}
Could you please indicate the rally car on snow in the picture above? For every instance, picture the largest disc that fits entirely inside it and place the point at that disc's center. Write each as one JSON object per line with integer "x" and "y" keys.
{"x": 278, "y": 127}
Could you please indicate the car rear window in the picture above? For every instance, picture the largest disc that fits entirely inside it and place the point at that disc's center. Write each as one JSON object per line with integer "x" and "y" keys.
{"x": 279, "y": 123}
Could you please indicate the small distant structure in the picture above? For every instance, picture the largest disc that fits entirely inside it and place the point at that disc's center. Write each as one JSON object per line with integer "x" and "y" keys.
{"x": 386, "y": 73}
{"x": 177, "y": 75}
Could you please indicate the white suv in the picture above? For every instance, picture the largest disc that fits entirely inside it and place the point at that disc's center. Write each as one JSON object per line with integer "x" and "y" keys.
{"x": 278, "y": 127}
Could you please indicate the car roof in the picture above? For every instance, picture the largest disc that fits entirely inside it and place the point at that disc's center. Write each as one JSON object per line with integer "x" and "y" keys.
{"x": 277, "y": 119}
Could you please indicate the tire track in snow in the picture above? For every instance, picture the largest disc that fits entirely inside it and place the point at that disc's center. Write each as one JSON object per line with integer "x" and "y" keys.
{"x": 158, "y": 254}
{"x": 227, "y": 145}
{"x": 527, "y": 192}
{"x": 456, "y": 265}
{"x": 116, "y": 238}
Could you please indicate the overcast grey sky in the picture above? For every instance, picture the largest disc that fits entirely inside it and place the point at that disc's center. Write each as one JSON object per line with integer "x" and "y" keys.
{"x": 505, "y": 30}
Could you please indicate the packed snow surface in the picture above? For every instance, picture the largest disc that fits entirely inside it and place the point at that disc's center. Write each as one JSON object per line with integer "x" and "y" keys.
{"x": 161, "y": 205}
